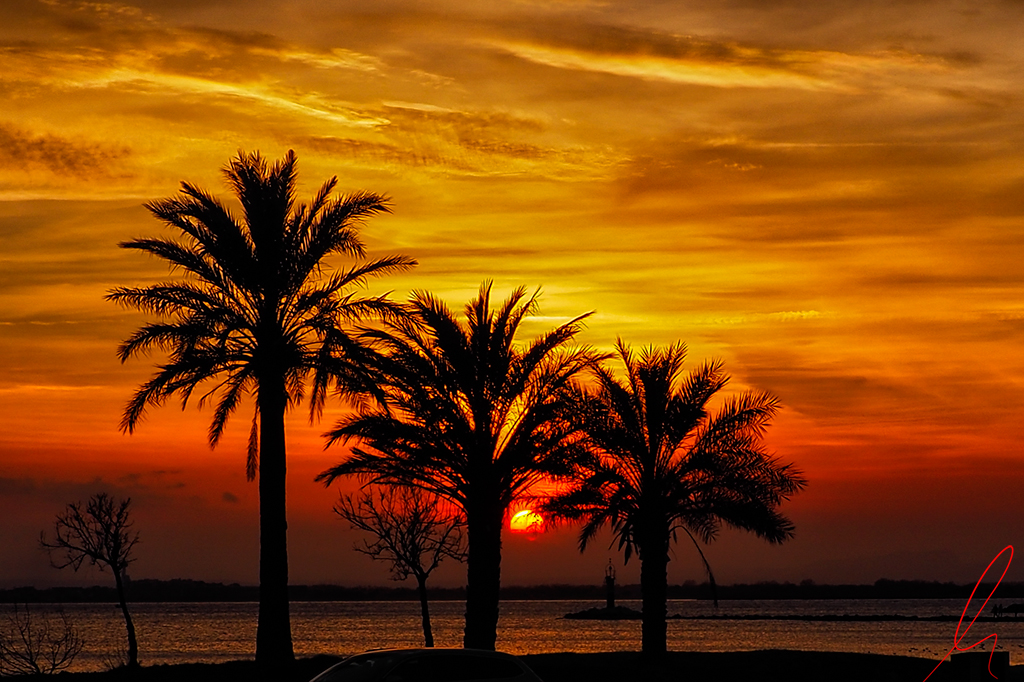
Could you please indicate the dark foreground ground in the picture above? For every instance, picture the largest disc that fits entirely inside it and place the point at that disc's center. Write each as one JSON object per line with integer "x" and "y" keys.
{"x": 762, "y": 666}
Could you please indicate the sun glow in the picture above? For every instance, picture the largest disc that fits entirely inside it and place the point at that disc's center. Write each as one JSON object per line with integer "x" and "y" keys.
{"x": 526, "y": 521}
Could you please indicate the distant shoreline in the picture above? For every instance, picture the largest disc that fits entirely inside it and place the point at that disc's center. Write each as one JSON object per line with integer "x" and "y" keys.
{"x": 147, "y": 590}
{"x": 622, "y": 613}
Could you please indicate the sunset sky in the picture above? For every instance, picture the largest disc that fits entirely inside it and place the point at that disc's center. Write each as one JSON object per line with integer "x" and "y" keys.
{"x": 828, "y": 196}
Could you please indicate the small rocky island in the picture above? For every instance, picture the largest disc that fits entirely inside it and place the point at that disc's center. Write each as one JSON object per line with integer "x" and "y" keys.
{"x": 610, "y": 611}
{"x": 606, "y": 613}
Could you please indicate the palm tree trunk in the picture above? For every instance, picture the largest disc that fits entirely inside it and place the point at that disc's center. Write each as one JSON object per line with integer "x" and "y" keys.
{"x": 133, "y": 645}
{"x": 421, "y": 588}
{"x": 654, "y": 591}
{"x": 273, "y": 630}
{"x": 483, "y": 575}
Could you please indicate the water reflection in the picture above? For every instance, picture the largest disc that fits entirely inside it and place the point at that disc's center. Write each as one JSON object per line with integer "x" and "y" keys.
{"x": 212, "y": 632}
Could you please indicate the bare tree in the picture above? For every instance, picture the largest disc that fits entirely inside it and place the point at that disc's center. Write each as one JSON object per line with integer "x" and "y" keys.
{"x": 101, "y": 534}
{"x": 411, "y": 530}
{"x": 37, "y": 647}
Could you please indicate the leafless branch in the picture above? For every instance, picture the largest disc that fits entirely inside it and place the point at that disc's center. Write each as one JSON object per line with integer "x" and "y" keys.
{"x": 100, "y": 533}
{"x": 410, "y": 529}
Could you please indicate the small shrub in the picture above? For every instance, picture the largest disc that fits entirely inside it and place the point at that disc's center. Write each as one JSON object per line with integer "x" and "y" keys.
{"x": 37, "y": 646}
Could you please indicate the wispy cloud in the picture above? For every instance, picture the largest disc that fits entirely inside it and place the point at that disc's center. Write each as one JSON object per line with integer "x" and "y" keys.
{"x": 256, "y": 93}
{"x": 331, "y": 59}
{"x": 651, "y": 55}
{"x": 22, "y": 150}
{"x": 657, "y": 68}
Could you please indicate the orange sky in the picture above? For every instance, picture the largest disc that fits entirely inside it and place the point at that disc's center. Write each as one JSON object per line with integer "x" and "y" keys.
{"x": 829, "y": 196}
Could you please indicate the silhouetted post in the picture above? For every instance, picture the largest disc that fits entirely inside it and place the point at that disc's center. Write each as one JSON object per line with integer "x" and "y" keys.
{"x": 609, "y": 585}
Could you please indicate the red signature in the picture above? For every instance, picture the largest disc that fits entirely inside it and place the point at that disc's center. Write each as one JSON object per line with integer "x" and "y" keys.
{"x": 957, "y": 638}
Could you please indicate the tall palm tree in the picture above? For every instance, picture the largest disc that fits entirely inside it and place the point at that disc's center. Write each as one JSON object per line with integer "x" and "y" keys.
{"x": 664, "y": 464}
{"x": 463, "y": 411}
{"x": 257, "y": 313}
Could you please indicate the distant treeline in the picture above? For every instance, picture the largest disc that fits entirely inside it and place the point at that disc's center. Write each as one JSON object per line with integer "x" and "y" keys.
{"x": 198, "y": 591}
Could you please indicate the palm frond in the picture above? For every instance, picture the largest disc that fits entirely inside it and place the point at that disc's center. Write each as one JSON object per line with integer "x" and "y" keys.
{"x": 252, "y": 453}
{"x": 253, "y": 283}
{"x": 235, "y": 386}
{"x": 663, "y": 461}
{"x": 461, "y": 407}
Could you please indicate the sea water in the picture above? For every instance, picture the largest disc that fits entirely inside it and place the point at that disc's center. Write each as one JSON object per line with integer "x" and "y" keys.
{"x": 215, "y": 632}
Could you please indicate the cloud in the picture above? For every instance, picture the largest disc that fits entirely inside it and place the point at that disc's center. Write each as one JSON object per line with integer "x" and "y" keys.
{"x": 652, "y": 55}
{"x": 21, "y": 151}
{"x": 336, "y": 58}
{"x": 365, "y": 150}
{"x": 148, "y": 482}
{"x": 831, "y": 185}
{"x": 57, "y": 491}
{"x": 672, "y": 70}
{"x": 126, "y": 60}
{"x": 468, "y": 142}
{"x": 17, "y": 486}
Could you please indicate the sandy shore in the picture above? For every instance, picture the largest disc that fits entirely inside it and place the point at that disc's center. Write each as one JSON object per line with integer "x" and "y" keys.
{"x": 760, "y": 666}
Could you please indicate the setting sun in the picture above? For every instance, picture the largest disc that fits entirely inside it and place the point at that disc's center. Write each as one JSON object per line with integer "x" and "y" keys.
{"x": 526, "y": 521}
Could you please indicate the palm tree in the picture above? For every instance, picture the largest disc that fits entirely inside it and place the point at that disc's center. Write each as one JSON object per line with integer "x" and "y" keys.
{"x": 256, "y": 314}
{"x": 663, "y": 464}
{"x": 464, "y": 412}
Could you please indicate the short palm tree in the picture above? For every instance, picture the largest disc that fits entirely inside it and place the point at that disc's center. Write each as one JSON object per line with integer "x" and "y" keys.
{"x": 464, "y": 412}
{"x": 256, "y": 314}
{"x": 664, "y": 464}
